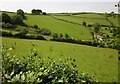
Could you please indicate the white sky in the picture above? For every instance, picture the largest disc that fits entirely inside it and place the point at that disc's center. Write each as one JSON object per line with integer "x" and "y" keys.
{"x": 60, "y": 5}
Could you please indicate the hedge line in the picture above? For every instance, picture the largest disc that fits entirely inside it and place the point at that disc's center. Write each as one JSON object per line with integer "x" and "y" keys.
{"x": 20, "y": 35}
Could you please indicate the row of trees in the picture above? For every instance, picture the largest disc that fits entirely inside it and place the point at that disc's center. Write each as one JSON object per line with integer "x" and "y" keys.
{"x": 15, "y": 20}
{"x": 96, "y": 26}
{"x": 38, "y": 12}
{"x": 12, "y": 21}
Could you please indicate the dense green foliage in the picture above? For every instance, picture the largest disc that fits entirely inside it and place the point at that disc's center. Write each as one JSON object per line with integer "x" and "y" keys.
{"x": 96, "y": 27}
{"x": 17, "y": 20}
{"x": 6, "y": 18}
{"x": 21, "y": 13}
{"x": 99, "y": 30}
{"x": 33, "y": 70}
{"x": 59, "y": 27}
{"x": 36, "y": 11}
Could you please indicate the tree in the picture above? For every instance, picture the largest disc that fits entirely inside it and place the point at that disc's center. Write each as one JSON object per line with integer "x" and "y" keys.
{"x": 67, "y": 36}
{"x": 6, "y": 18}
{"x": 21, "y": 13}
{"x": 84, "y": 23}
{"x": 35, "y": 26}
{"x": 44, "y": 13}
{"x": 97, "y": 27}
{"x": 36, "y": 12}
{"x": 61, "y": 35}
{"x": 106, "y": 15}
{"x": 39, "y": 11}
{"x": 18, "y": 20}
{"x": 55, "y": 36}
{"x": 33, "y": 11}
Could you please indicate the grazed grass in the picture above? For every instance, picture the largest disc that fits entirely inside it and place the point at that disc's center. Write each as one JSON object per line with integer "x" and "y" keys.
{"x": 88, "y": 20}
{"x": 56, "y": 26}
{"x": 102, "y": 62}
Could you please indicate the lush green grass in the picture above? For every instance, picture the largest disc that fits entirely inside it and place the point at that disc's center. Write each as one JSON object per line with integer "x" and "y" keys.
{"x": 91, "y": 16}
{"x": 88, "y": 19}
{"x": 56, "y": 26}
{"x": 102, "y": 62}
{"x": 114, "y": 20}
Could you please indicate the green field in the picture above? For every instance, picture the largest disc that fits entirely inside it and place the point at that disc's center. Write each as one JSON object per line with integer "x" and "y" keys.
{"x": 101, "y": 62}
{"x": 79, "y": 19}
{"x": 98, "y": 16}
{"x": 56, "y": 26}
{"x": 114, "y": 20}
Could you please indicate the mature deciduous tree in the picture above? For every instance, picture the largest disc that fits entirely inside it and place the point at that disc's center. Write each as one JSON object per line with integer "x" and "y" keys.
{"x": 21, "y": 13}
{"x": 36, "y": 11}
{"x": 97, "y": 27}
{"x": 6, "y": 18}
{"x": 84, "y": 23}
{"x": 17, "y": 20}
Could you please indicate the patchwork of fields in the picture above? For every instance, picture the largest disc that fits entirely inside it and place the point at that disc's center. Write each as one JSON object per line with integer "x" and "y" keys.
{"x": 56, "y": 26}
{"x": 87, "y": 18}
{"x": 100, "y": 62}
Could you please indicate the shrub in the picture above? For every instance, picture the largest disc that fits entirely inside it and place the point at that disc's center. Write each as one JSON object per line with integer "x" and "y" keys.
{"x": 89, "y": 25}
{"x": 45, "y": 32}
{"x": 84, "y": 23}
{"x": 67, "y": 36}
{"x": 97, "y": 27}
{"x": 22, "y": 33}
{"x": 8, "y": 25}
{"x": 17, "y": 20}
{"x": 6, "y": 18}
{"x": 44, "y": 13}
{"x": 55, "y": 36}
{"x": 36, "y": 70}
{"x": 35, "y": 26}
{"x": 8, "y": 34}
{"x": 21, "y": 13}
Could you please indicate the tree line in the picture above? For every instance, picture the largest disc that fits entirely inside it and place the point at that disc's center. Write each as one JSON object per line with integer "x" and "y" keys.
{"x": 38, "y": 12}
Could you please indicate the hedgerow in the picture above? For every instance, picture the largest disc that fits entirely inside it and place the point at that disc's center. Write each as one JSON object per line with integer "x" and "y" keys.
{"x": 34, "y": 69}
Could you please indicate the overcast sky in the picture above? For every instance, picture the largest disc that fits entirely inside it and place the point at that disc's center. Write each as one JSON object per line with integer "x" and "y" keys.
{"x": 54, "y": 6}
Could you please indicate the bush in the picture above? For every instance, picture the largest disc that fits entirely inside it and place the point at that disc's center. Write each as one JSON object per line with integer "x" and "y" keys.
{"x": 36, "y": 70}
{"x": 97, "y": 27}
{"x": 32, "y": 36}
{"x": 17, "y": 20}
{"x": 6, "y": 18}
{"x": 55, "y": 36}
{"x": 8, "y": 25}
{"x": 89, "y": 25}
{"x": 45, "y": 32}
{"x": 21, "y": 13}
{"x": 8, "y": 34}
{"x": 35, "y": 26}
{"x": 44, "y": 13}
{"x": 84, "y": 23}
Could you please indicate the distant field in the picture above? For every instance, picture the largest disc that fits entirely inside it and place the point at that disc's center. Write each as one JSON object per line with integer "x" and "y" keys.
{"x": 91, "y": 16}
{"x": 88, "y": 19}
{"x": 56, "y": 26}
{"x": 102, "y": 62}
{"x": 114, "y": 20}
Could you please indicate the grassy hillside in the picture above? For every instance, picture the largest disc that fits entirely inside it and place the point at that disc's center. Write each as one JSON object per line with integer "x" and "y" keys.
{"x": 88, "y": 19}
{"x": 99, "y": 16}
{"x": 101, "y": 62}
{"x": 56, "y": 26}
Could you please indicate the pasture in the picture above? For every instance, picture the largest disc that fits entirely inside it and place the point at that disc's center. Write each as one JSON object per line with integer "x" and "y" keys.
{"x": 88, "y": 18}
{"x": 100, "y": 62}
{"x": 60, "y": 27}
